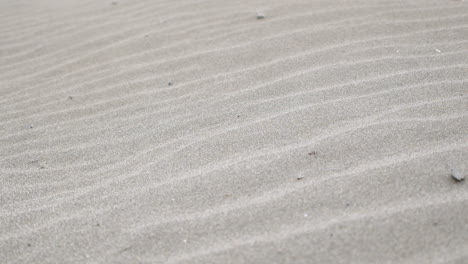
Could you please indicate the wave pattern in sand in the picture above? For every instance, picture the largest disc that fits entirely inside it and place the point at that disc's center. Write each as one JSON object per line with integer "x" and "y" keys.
{"x": 324, "y": 133}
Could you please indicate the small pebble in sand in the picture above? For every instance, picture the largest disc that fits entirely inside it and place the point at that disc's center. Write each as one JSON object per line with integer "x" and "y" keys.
{"x": 300, "y": 177}
{"x": 29, "y": 244}
{"x": 260, "y": 15}
{"x": 31, "y": 127}
{"x": 437, "y": 50}
{"x": 70, "y": 97}
{"x": 457, "y": 175}
{"x": 306, "y": 215}
{"x": 170, "y": 83}
{"x": 312, "y": 153}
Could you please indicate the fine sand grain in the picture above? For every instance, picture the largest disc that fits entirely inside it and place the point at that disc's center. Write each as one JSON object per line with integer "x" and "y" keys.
{"x": 249, "y": 131}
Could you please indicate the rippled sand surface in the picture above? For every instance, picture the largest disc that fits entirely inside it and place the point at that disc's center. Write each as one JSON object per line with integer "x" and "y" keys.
{"x": 192, "y": 132}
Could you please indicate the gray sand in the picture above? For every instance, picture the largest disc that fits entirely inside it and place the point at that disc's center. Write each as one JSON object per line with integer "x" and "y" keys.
{"x": 193, "y": 132}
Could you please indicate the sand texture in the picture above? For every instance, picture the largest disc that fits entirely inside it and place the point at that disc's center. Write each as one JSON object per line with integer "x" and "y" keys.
{"x": 245, "y": 131}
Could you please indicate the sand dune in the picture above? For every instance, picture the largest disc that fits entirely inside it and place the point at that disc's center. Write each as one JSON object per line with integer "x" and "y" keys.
{"x": 193, "y": 132}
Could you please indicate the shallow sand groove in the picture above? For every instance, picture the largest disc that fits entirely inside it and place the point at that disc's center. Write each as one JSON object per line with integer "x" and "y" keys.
{"x": 323, "y": 133}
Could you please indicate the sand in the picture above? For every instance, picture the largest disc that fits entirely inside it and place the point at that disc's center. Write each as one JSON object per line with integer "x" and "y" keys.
{"x": 195, "y": 132}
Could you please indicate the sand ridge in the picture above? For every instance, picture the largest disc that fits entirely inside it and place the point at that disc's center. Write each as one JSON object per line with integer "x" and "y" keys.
{"x": 324, "y": 132}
